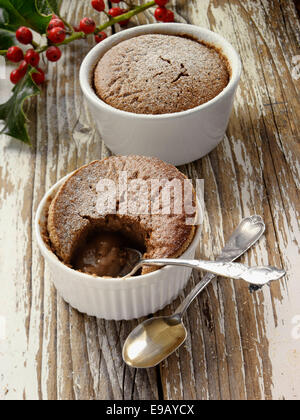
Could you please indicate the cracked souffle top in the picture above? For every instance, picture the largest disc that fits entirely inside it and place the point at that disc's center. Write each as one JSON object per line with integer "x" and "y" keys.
{"x": 160, "y": 74}
{"x": 82, "y": 231}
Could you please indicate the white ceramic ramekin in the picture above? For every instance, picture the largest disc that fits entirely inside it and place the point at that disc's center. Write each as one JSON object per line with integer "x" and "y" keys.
{"x": 177, "y": 138}
{"x": 112, "y": 299}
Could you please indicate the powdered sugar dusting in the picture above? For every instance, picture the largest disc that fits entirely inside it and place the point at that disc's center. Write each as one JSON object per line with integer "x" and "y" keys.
{"x": 158, "y": 74}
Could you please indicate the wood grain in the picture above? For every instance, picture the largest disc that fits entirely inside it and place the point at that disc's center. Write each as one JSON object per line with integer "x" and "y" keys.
{"x": 240, "y": 345}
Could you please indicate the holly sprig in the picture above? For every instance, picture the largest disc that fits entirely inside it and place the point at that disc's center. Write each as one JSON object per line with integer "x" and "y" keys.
{"x": 19, "y": 20}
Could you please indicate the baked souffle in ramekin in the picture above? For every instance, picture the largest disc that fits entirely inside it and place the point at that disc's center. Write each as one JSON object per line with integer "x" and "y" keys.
{"x": 160, "y": 74}
{"x": 95, "y": 241}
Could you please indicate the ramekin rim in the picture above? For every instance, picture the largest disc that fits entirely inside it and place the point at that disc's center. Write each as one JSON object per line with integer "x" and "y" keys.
{"x": 89, "y": 61}
{"x": 83, "y": 276}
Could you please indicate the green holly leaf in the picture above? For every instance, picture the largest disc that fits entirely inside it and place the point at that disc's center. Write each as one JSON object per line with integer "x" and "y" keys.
{"x": 12, "y": 113}
{"x": 49, "y": 6}
{"x": 7, "y": 38}
{"x": 23, "y": 13}
{"x": 55, "y": 5}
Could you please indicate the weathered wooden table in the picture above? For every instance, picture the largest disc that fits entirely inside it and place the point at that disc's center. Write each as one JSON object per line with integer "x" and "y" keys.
{"x": 240, "y": 346}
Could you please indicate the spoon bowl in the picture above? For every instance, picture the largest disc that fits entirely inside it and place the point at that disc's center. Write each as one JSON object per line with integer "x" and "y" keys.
{"x": 153, "y": 341}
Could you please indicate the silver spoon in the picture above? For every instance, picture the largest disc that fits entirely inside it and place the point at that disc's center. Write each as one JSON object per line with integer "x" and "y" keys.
{"x": 157, "y": 338}
{"x": 258, "y": 276}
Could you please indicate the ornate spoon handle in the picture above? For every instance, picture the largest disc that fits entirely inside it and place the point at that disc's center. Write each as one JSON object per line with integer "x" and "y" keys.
{"x": 247, "y": 234}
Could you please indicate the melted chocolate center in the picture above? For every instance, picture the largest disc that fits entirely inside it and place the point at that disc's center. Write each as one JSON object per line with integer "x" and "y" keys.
{"x": 102, "y": 254}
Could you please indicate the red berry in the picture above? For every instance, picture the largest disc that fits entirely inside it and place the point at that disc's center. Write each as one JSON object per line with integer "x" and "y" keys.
{"x": 161, "y": 3}
{"x": 160, "y": 13}
{"x": 115, "y": 11}
{"x": 57, "y": 35}
{"x": 32, "y": 57}
{"x": 23, "y": 68}
{"x": 100, "y": 37}
{"x": 53, "y": 54}
{"x": 56, "y": 23}
{"x": 169, "y": 17}
{"x": 39, "y": 77}
{"x": 24, "y": 35}
{"x": 124, "y": 22}
{"x": 15, "y": 54}
{"x": 87, "y": 25}
{"x": 98, "y": 5}
{"x": 76, "y": 28}
{"x": 15, "y": 76}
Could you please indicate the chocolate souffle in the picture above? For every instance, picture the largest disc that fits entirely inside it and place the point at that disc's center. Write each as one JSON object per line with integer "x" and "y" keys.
{"x": 95, "y": 242}
{"x": 160, "y": 74}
